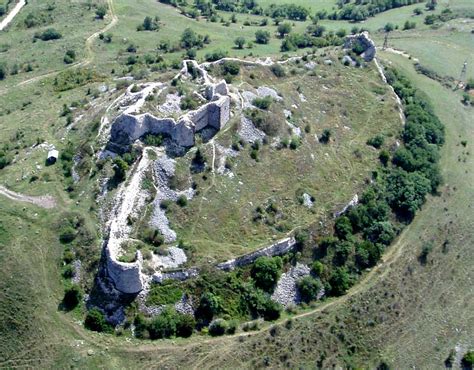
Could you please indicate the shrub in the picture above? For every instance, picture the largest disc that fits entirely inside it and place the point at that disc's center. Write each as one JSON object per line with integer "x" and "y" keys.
{"x": 215, "y": 55}
{"x": 284, "y": 29}
{"x": 384, "y": 157}
{"x": 153, "y": 237}
{"x": 468, "y": 360}
{"x": 239, "y": 42}
{"x": 48, "y": 34}
{"x": 325, "y": 136}
{"x": 185, "y": 325}
{"x": 343, "y": 227}
{"x": 69, "y": 57}
{"x": 120, "y": 169}
{"x": 376, "y": 141}
{"x": 218, "y": 327}
{"x": 262, "y": 37}
{"x": 231, "y": 67}
{"x": 95, "y": 320}
{"x": 277, "y": 70}
{"x": 153, "y": 140}
{"x": 182, "y": 201}
{"x": 72, "y": 297}
{"x": 295, "y": 142}
{"x": 263, "y": 103}
{"x": 3, "y": 71}
{"x": 266, "y": 271}
{"x": 163, "y": 325}
{"x": 101, "y": 11}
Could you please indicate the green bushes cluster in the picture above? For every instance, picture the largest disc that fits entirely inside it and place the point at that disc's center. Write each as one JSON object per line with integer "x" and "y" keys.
{"x": 167, "y": 324}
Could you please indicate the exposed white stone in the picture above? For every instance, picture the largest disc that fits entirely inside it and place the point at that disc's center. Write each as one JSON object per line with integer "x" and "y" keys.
{"x": 286, "y": 291}
{"x": 276, "y": 249}
{"x": 171, "y": 105}
{"x": 264, "y": 91}
{"x": 307, "y": 202}
{"x": 353, "y": 202}
{"x": 363, "y": 39}
{"x": 248, "y": 132}
{"x": 175, "y": 258}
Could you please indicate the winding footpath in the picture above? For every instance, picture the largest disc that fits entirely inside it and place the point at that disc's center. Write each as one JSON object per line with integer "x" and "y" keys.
{"x": 88, "y": 47}
{"x": 6, "y": 21}
{"x": 44, "y": 201}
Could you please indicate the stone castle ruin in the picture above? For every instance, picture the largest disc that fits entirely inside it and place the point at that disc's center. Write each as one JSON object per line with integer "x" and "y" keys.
{"x": 129, "y": 127}
{"x": 364, "y": 40}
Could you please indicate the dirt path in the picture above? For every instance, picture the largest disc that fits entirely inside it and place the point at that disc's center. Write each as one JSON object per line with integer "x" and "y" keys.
{"x": 6, "y": 21}
{"x": 88, "y": 47}
{"x": 44, "y": 201}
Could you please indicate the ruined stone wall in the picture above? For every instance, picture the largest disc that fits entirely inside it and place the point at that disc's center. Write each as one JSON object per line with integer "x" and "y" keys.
{"x": 279, "y": 248}
{"x": 127, "y": 128}
{"x": 364, "y": 39}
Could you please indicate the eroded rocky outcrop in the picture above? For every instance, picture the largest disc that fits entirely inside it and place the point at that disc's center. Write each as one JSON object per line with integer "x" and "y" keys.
{"x": 364, "y": 40}
{"x": 276, "y": 249}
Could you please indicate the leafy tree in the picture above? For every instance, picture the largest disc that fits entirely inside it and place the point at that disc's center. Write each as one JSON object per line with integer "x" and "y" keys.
{"x": 284, "y": 29}
{"x": 381, "y": 232}
{"x": 190, "y": 39}
{"x": 262, "y": 37}
{"x": 309, "y": 288}
{"x": 149, "y": 24}
{"x": 266, "y": 271}
{"x": 209, "y": 305}
{"x": 340, "y": 281}
{"x": 406, "y": 192}
{"x": 343, "y": 227}
{"x": 239, "y": 42}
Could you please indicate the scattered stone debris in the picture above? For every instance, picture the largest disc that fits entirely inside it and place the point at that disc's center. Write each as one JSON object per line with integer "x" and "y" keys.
{"x": 184, "y": 305}
{"x": 264, "y": 91}
{"x": 248, "y": 132}
{"x": 172, "y": 105}
{"x": 286, "y": 291}
{"x": 347, "y": 60}
{"x": 175, "y": 258}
